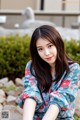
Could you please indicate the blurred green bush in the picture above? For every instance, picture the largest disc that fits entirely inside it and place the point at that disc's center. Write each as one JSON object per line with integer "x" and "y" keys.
{"x": 14, "y": 54}
{"x": 76, "y": 117}
{"x": 73, "y": 49}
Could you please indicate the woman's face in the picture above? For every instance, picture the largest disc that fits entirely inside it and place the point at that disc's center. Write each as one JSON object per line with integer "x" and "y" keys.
{"x": 47, "y": 51}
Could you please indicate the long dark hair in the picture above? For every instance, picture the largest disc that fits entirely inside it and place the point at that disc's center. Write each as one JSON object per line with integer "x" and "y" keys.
{"x": 42, "y": 68}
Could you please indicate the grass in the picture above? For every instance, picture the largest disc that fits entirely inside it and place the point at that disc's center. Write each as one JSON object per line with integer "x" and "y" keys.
{"x": 76, "y": 118}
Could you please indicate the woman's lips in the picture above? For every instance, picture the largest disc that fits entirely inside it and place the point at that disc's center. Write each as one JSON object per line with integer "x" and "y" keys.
{"x": 49, "y": 58}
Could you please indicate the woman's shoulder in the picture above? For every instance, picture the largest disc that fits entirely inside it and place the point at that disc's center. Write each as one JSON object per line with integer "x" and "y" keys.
{"x": 74, "y": 65}
{"x": 28, "y": 64}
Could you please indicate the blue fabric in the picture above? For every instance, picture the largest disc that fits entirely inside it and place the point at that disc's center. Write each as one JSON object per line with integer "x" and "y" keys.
{"x": 62, "y": 94}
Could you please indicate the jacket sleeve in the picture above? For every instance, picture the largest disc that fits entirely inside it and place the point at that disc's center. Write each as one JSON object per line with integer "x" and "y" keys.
{"x": 67, "y": 91}
{"x": 30, "y": 88}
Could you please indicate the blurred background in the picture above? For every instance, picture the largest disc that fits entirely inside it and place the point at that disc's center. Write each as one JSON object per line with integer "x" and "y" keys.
{"x": 63, "y": 13}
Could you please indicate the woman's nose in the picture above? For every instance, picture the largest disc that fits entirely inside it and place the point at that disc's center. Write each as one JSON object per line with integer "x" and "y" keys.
{"x": 46, "y": 52}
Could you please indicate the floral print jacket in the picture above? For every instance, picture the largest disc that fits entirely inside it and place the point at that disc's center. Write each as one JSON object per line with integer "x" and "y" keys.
{"x": 62, "y": 94}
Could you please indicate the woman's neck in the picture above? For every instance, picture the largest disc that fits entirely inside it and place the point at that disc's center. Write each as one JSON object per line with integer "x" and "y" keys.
{"x": 53, "y": 71}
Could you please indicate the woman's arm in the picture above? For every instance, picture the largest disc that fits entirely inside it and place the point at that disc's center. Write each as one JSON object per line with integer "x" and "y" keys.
{"x": 29, "y": 109}
{"x": 30, "y": 89}
{"x": 51, "y": 113}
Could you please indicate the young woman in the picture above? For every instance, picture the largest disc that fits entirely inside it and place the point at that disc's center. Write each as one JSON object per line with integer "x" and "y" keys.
{"x": 51, "y": 78}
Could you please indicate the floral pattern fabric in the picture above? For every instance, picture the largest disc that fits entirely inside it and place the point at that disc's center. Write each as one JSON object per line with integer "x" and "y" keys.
{"x": 62, "y": 94}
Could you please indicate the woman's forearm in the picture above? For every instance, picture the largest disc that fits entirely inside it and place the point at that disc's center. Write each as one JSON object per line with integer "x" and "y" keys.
{"x": 29, "y": 109}
{"x": 51, "y": 113}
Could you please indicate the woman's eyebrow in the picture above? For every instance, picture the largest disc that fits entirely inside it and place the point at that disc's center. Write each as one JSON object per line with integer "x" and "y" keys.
{"x": 49, "y": 43}
{"x": 39, "y": 46}
{"x": 46, "y": 44}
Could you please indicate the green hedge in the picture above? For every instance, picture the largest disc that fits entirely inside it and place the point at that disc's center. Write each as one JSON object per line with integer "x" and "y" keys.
{"x": 14, "y": 54}
{"x": 73, "y": 49}
{"x": 76, "y": 118}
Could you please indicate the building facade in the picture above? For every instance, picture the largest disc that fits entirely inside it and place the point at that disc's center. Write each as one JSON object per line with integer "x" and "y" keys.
{"x": 17, "y": 4}
{"x": 55, "y": 6}
{"x": 67, "y": 5}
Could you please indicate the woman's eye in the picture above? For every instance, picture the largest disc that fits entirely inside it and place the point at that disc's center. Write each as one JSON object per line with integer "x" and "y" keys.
{"x": 39, "y": 49}
{"x": 50, "y": 45}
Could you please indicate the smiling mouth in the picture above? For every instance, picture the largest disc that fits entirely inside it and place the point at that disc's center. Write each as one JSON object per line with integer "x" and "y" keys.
{"x": 49, "y": 58}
